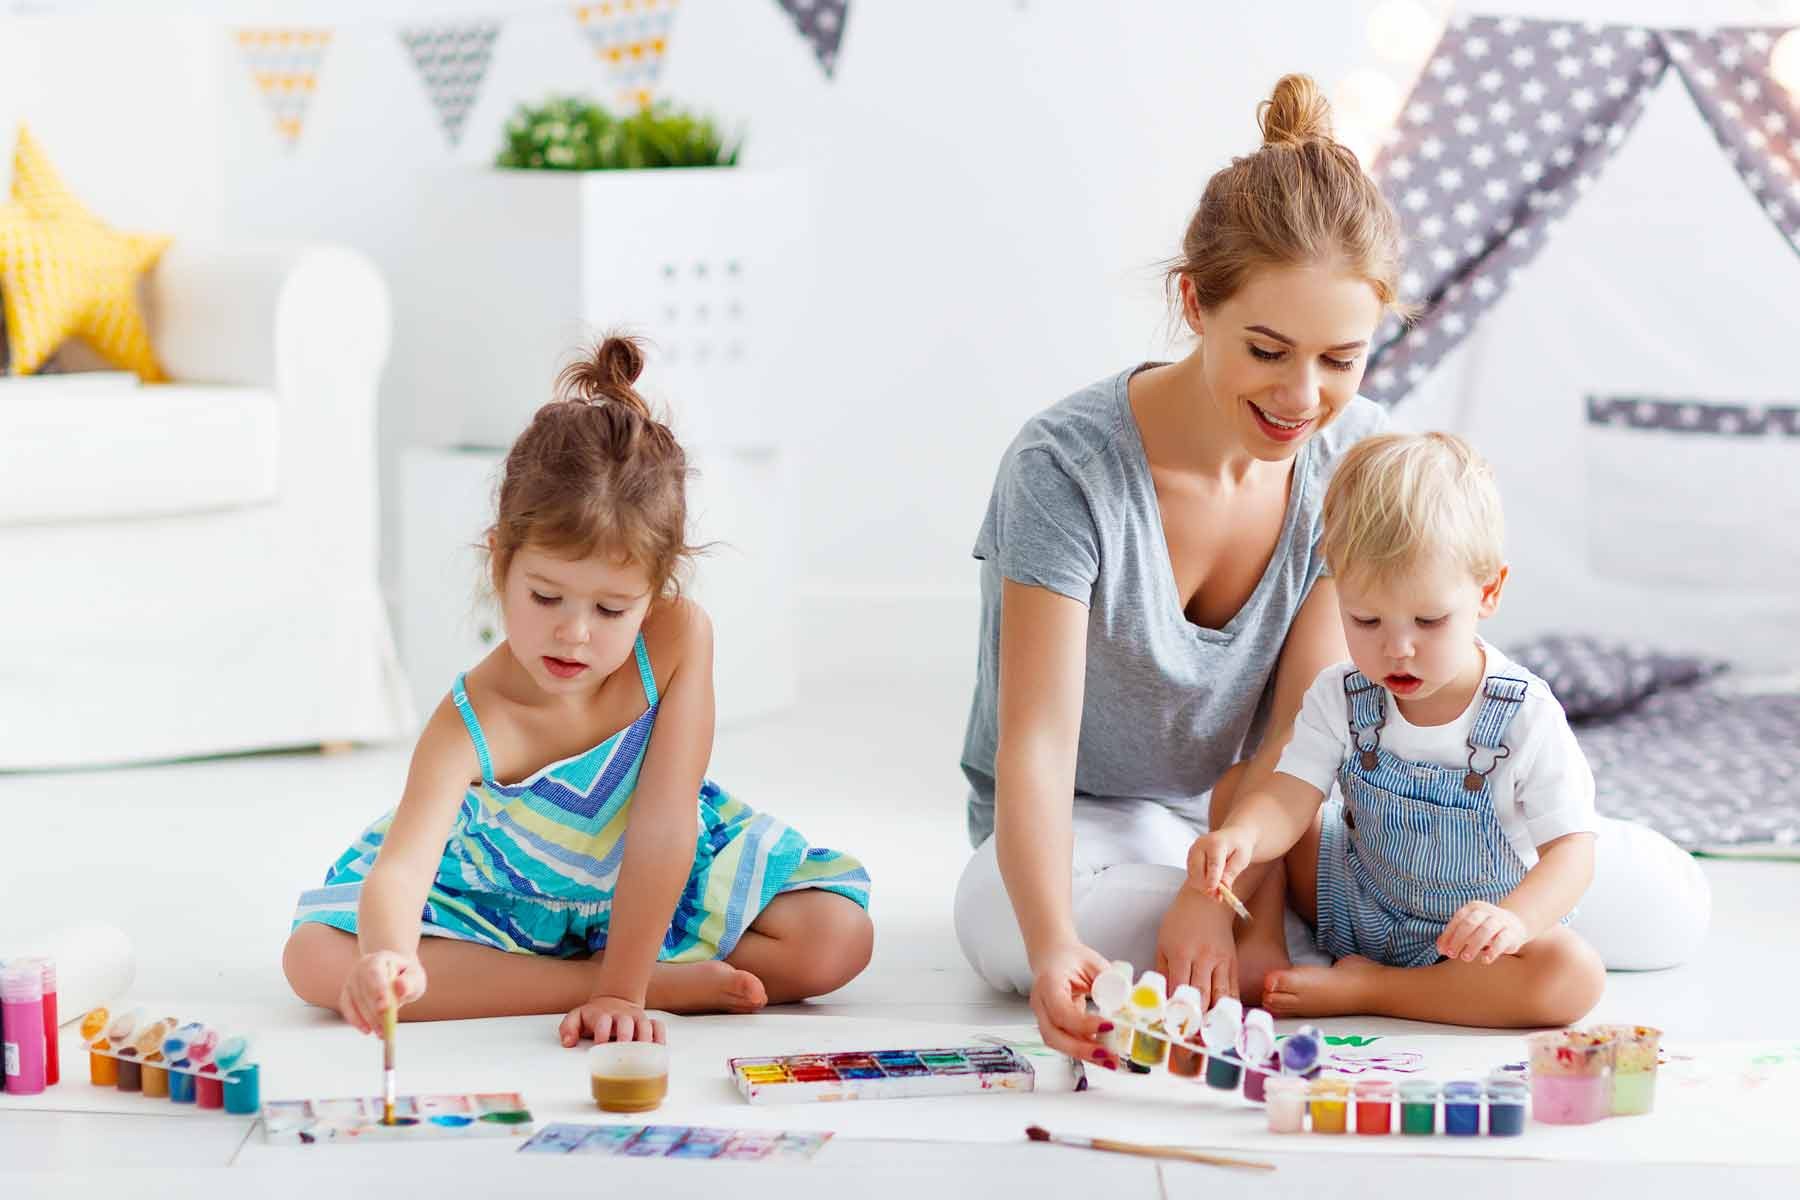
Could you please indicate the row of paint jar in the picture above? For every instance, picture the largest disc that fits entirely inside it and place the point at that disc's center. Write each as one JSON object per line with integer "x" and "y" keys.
{"x": 1583, "y": 1075}
{"x": 1332, "y": 1104}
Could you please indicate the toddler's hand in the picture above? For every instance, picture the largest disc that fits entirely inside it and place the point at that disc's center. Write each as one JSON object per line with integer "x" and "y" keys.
{"x": 1481, "y": 932}
{"x": 1216, "y": 859}
{"x": 610, "y": 1019}
{"x": 372, "y": 980}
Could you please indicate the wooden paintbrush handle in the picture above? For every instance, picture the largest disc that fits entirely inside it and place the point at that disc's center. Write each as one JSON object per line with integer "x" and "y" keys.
{"x": 1182, "y": 1153}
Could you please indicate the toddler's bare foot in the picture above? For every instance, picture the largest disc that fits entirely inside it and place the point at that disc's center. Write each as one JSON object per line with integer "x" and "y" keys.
{"x": 1333, "y": 991}
{"x": 1259, "y": 956}
{"x": 704, "y": 987}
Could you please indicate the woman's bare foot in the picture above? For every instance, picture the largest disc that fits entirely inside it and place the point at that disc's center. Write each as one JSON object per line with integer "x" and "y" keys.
{"x": 1259, "y": 956}
{"x": 1334, "y": 991}
{"x": 704, "y": 987}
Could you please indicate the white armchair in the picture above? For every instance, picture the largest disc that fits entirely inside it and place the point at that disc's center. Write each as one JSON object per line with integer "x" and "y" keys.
{"x": 192, "y": 567}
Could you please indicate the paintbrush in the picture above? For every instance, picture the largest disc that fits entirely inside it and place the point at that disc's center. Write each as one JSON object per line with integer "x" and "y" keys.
{"x": 1038, "y": 1133}
{"x": 390, "y": 1017}
{"x": 1237, "y": 906}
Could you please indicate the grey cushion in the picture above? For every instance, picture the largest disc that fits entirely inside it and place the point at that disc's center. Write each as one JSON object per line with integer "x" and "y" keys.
{"x": 1595, "y": 677}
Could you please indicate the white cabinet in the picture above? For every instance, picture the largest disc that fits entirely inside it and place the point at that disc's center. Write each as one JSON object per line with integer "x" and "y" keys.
{"x": 448, "y": 620}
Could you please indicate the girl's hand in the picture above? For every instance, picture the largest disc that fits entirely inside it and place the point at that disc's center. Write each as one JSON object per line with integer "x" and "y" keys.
{"x": 375, "y": 978}
{"x": 1481, "y": 932}
{"x": 1059, "y": 989}
{"x": 610, "y": 1019}
{"x": 1216, "y": 859}
{"x": 1195, "y": 945}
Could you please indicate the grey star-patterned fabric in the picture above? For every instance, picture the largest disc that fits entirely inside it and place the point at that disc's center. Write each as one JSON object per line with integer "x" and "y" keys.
{"x": 1510, "y": 123}
{"x": 452, "y": 61}
{"x": 1742, "y": 419}
{"x": 1754, "y": 118}
{"x": 822, "y": 23}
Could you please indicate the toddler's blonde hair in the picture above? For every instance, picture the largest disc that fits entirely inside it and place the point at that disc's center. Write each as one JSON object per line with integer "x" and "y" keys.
{"x": 1397, "y": 499}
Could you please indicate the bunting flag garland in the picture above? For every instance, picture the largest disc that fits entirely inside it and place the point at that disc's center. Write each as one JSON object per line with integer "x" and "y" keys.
{"x": 284, "y": 64}
{"x": 632, "y": 38}
{"x": 822, "y": 23}
{"x": 452, "y": 61}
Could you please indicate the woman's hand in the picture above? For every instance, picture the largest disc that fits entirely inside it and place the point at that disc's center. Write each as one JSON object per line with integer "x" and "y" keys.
{"x": 377, "y": 980}
{"x": 1060, "y": 983}
{"x": 610, "y": 1019}
{"x": 1195, "y": 945}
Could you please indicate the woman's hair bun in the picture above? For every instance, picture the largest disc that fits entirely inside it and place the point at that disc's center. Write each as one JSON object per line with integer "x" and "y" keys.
{"x": 1295, "y": 113}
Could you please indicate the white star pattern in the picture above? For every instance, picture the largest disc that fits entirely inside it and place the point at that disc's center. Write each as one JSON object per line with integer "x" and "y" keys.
{"x": 1511, "y": 123}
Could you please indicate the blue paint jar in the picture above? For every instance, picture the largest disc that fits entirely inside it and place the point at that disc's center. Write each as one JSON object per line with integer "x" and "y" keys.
{"x": 181, "y": 1084}
{"x": 1506, "y": 1107}
{"x": 243, "y": 1090}
{"x": 1462, "y": 1108}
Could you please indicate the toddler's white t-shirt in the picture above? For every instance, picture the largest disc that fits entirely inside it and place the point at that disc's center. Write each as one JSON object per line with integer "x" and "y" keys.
{"x": 1541, "y": 791}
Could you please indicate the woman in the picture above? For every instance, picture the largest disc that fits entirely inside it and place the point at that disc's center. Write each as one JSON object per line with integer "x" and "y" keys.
{"x": 1154, "y": 604}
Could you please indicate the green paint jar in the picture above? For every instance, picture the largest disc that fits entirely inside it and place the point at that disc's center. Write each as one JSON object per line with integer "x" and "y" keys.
{"x": 1418, "y": 1107}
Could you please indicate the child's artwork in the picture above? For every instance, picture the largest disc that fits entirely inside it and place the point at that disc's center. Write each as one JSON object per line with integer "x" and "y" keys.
{"x": 416, "y": 1118}
{"x": 677, "y": 1141}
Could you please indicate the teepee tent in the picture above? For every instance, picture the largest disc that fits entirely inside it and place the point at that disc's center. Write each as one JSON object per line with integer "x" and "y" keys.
{"x": 1602, "y": 223}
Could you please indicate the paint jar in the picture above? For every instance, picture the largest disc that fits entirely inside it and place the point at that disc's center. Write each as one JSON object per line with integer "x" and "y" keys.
{"x": 1181, "y": 1021}
{"x": 1571, "y": 1077}
{"x": 1418, "y": 1107}
{"x": 22, "y": 1019}
{"x": 1462, "y": 1108}
{"x": 181, "y": 1083}
{"x": 1286, "y": 1102}
{"x": 1635, "y": 1052}
{"x": 1329, "y": 1099}
{"x": 131, "y": 1071}
{"x": 1300, "y": 1052}
{"x": 1374, "y": 1105}
{"x": 1112, "y": 996}
{"x": 1506, "y": 1105}
{"x": 52, "y": 1055}
{"x": 156, "y": 1076}
{"x": 243, "y": 1090}
{"x": 628, "y": 1077}
{"x": 103, "y": 1069}
{"x": 1148, "y": 1047}
{"x": 209, "y": 1089}
{"x": 1224, "y": 1071}
{"x": 1257, "y": 1075}
{"x": 1185, "y": 1061}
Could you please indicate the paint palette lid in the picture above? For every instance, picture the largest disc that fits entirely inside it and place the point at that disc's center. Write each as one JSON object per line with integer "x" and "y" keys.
{"x": 1112, "y": 986}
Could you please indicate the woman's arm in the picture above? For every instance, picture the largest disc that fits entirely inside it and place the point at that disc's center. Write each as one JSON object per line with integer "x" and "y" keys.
{"x": 1043, "y": 670}
{"x": 394, "y": 893}
{"x": 659, "y": 842}
{"x": 1314, "y": 641}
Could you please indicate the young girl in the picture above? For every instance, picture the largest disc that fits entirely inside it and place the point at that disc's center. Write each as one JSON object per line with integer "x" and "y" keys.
{"x": 1465, "y": 832}
{"x": 557, "y": 848}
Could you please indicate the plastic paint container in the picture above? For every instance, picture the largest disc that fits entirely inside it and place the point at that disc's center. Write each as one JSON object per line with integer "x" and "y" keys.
{"x": 1571, "y": 1077}
{"x": 22, "y": 1019}
{"x": 1329, "y": 1099}
{"x": 181, "y": 1084}
{"x": 131, "y": 1071}
{"x": 243, "y": 1090}
{"x": 156, "y": 1076}
{"x": 1374, "y": 1105}
{"x": 1300, "y": 1053}
{"x": 1221, "y": 1031}
{"x": 102, "y": 1071}
{"x": 209, "y": 1089}
{"x": 1635, "y": 1051}
{"x": 1418, "y": 1107}
{"x": 1286, "y": 1102}
{"x": 628, "y": 1077}
{"x": 1462, "y": 1108}
{"x": 52, "y": 1055}
{"x": 1256, "y": 1082}
{"x": 1147, "y": 1048}
{"x": 1506, "y": 1106}
{"x": 1181, "y": 1020}
{"x": 1112, "y": 994}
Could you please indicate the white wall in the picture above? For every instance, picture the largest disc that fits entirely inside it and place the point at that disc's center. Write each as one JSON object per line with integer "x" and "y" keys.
{"x": 994, "y": 183}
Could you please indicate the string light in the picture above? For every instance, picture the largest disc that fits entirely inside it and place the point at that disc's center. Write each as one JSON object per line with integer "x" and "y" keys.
{"x": 1403, "y": 31}
{"x": 1784, "y": 61}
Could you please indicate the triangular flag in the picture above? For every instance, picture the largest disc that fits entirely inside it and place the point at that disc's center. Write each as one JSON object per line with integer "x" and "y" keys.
{"x": 632, "y": 38}
{"x": 822, "y": 23}
{"x": 284, "y": 64}
{"x": 452, "y": 60}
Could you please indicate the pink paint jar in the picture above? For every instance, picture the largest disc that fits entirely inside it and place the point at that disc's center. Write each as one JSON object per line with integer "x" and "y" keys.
{"x": 1571, "y": 1077}
{"x": 22, "y": 1002}
{"x": 1285, "y": 1097}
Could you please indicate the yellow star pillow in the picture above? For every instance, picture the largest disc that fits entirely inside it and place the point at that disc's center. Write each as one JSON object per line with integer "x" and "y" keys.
{"x": 65, "y": 274}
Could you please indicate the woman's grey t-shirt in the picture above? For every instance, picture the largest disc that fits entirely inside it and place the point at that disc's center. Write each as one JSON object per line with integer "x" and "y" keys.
{"x": 1169, "y": 705}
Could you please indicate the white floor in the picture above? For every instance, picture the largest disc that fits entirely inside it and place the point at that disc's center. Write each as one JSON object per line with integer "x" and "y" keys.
{"x": 200, "y": 863}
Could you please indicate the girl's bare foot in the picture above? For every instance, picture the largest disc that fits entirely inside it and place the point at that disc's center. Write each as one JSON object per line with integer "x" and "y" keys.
{"x": 1339, "y": 990}
{"x": 704, "y": 987}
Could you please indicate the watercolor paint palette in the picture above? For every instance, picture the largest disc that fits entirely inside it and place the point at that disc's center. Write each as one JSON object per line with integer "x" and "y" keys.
{"x": 677, "y": 1141}
{"x": 416, "y": 1118}
{"x": 882, "y": 1074}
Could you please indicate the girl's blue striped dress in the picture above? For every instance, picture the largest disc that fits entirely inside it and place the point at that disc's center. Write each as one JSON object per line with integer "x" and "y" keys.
{"x": 531, "y": 867}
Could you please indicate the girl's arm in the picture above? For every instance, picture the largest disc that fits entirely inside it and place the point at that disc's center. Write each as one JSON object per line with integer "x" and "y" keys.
{"x": 1043, "y": 671}
{"x": 394, "y": 893}
{"x": 659, "y": 840}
